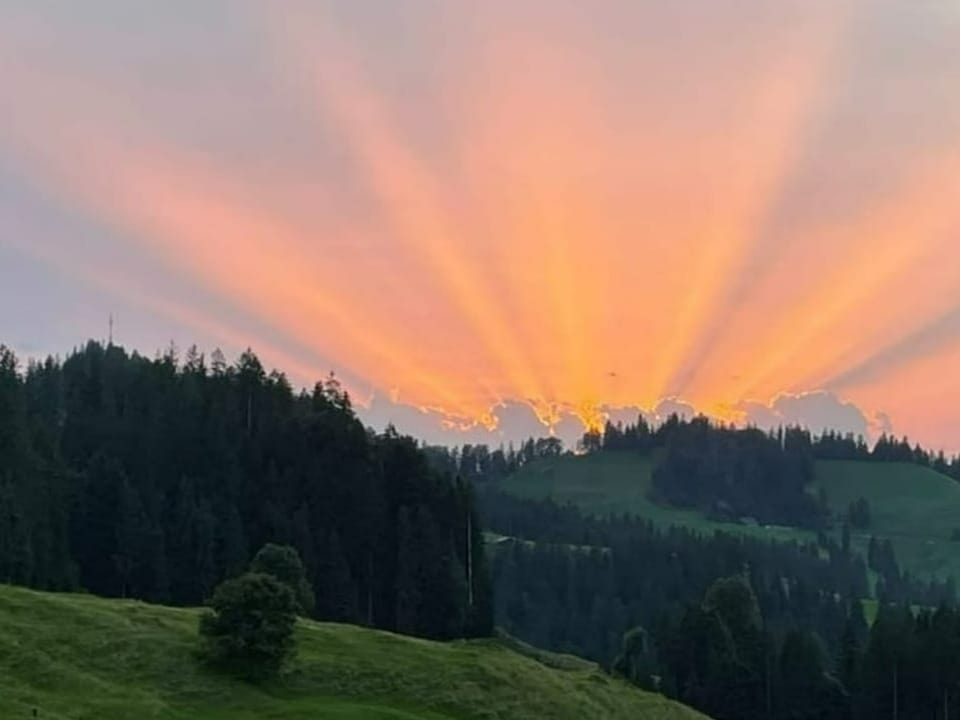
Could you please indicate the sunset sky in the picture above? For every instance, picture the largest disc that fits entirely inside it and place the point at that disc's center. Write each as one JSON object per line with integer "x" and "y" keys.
{"x": 490, "y": 218}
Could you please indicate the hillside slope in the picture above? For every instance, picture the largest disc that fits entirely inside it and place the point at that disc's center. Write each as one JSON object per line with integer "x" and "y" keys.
{"x": 80, "y": 657}
{"x": 915, "y": 507}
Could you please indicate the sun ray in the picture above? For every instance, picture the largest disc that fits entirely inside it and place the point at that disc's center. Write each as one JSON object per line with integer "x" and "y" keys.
{"x": 929, "y": 338}
{"x": 527, "y": 169}
{"x": 412, "y": 201}
{"x": 778, "y": 116}
{"x": 71, "y": 263}
{"x": 852, "y": 281}
{"x": 802, "y": 109}
{"x": 577, "y": 210}
{"x": 194, "y": 221}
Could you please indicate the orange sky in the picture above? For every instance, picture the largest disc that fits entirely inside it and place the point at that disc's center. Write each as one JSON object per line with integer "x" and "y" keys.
{"x": 464, "y": 207}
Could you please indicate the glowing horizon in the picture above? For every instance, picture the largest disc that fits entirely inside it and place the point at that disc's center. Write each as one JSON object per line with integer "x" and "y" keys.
{"x": 460, "y": 207}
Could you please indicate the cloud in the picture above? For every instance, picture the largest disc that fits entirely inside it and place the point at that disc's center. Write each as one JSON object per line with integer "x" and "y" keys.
{"x": 673, "y": 406}
{"x": 881, "y": 425}
{"x": 515, "y": 421}
{"x": 759, "y": 414}
{"x": 816, "y": 411}
{"x": 510, "y": 421}
{"x": 627, "y": 415}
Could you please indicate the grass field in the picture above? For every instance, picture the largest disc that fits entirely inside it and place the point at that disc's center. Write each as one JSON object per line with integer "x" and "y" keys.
{"x": 84, "y": 658}
{"x": 617, "y": 482}
{"x": 915, "y": 507}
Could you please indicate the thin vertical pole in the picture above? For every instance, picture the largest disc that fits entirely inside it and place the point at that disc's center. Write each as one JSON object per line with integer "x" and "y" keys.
{"x": 469, "y": 558}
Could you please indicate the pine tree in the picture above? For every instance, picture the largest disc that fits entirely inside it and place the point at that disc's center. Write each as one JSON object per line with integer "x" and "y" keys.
{"x": 132, "y": 537}
{"x": 150, "y": 477}
{"x": 335, "y": 587}
{"x": 232, "y": 542}
{"x": 408, "y": 588}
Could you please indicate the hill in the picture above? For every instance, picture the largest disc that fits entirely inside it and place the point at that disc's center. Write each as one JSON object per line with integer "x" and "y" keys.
{"x": 75, "y": 656}
{"x": 915, "y": 507}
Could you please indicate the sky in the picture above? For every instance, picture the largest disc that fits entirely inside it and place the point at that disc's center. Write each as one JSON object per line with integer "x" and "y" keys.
{"x": 494, "y": 220}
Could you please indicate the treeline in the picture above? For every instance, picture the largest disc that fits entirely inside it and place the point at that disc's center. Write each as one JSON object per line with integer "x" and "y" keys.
{"x": 481, "y": 461}
{"x": 157, "y": 478}
{"x": 474, "y": 463}
{"x": 573, "y": 583}
{"x": 734, "y": 473}
{"x": 730, "y": 474}
{"x": 786, "y": 638}
{"x": 721, "y": 656}
{"x": 724, "y": 472}
{"x": 829, "y": 445}
{"x": 727, "y": 473}
{"x": 909, "y": 667}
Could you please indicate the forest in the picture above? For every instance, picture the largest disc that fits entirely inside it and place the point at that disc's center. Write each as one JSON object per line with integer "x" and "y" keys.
{"x": 481, "y": 462}
{"x": 575, "y": 584}
{"x": 583, "y": 585}
{"x": 642, "y": 599}
{"x": 156, "y": 478}
{"x": 725, "y": 472}
{"x": 723, "y": 656}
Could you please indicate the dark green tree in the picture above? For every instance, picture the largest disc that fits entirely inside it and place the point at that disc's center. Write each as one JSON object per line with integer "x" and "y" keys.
{"x": 409, "y": 575}
{"x": 133, "y": 537}
{"x": 249, "y": 629}
{"x": 336, "y": 589}
{"x": 283, "y": 563}
{"x": 636, "y": 661}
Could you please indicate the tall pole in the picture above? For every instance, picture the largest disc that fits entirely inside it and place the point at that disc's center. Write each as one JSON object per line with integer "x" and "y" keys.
{"x": 370, "y": 588}
{"x": 469, "y": 557}
{"x": 769, "y": 685}
{"x": 896, "y": 691}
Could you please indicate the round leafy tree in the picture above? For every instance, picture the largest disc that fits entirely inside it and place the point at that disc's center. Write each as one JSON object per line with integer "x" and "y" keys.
{"x": 249, "y": 627}
{"x": 283, "y": 563}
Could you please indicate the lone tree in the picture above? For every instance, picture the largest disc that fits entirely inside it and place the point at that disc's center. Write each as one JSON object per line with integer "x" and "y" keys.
{"x": 249, "y": 628}
{"x": 636, "y": 662}
{"x": 283, "y": 563}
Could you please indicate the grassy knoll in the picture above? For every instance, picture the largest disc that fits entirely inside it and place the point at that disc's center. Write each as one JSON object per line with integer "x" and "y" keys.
{"x": 79, "y": 657}
{"x": 916, "y": 508}
{"x": 617, "y": 482}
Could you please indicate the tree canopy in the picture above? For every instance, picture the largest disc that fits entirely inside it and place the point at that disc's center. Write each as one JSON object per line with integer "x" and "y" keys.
{"x": 249, "y": 627}
{"x": 283, "y": 563}
{"x": 156, "y": 478}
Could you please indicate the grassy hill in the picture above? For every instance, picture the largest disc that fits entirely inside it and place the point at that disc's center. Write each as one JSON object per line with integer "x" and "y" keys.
{"x": 915, "y": 507}
{"x": 79, "y": 657}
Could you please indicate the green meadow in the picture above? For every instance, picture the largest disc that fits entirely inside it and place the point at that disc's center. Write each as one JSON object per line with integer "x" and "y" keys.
{"x": 915, "y": 507}
{"x": 85, "y": 658}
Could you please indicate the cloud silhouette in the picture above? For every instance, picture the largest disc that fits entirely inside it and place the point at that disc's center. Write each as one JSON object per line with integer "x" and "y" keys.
{"x": 817, "y": 411}
{"x": 672, "y": 406}
{"x": 515, "y": 421}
